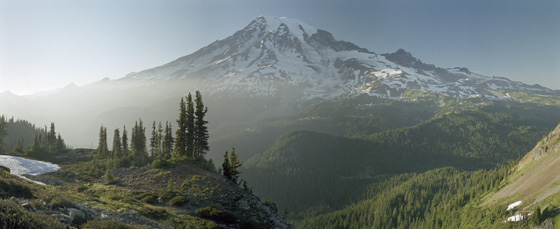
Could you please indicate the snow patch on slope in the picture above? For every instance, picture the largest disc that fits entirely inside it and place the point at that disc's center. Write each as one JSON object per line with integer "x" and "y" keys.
{"x": 20, "y": 166}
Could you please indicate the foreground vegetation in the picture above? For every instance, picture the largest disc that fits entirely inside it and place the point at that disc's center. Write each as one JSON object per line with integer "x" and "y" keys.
{"x": 173, "y": 185}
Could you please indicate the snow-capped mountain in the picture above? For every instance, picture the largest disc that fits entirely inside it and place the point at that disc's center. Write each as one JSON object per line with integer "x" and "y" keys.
{"x": 279, "y": 56}
{"x": 276, "y": 65}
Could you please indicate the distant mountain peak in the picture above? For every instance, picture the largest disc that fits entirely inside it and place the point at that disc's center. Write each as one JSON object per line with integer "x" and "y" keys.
{"x": 275, "y": 24}
{"x": 282, "y": 56}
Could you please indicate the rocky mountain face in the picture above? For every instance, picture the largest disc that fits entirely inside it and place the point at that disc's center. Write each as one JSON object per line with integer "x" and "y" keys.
{"x": 286, "y": 57}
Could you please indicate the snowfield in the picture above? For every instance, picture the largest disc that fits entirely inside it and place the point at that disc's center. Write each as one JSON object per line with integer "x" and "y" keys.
{"x": 19, "y": 166}
{"x": 513, "y": 205}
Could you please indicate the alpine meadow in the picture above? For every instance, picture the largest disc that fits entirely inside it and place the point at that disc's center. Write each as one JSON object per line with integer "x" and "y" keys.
{"x": 283, "y": 125}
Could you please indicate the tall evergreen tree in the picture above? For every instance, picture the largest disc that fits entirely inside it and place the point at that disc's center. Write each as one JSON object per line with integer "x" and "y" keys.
{"x": 154, "y": 141}
{"x": 190, "y": 127}
{"x": 3, "y": 132}
{"x": 234, "y": 164}
{"x": 117, "y": 148}
{"x": 139, "y": 152}
{"x": 159, "y": 139}
{"x": 102, "y": 148}
{"x": 181, "y": 134}
{"x": 51, "y": 139}
{"x": 60, "y": 146}
{"x": 230, "y": 166}
{"x": 167, "y": 144}
{"x": 125, "y": 160}
{"x": 36, "y": 147}
{"x": 200, "y": 128}
{"x": 124, "y": 143}
{"x": 225, "y": 166}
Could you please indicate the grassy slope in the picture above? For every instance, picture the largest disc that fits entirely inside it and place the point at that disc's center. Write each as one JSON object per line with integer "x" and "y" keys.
{"x": 182, "y": 196}
{"x": 537, "y": 175}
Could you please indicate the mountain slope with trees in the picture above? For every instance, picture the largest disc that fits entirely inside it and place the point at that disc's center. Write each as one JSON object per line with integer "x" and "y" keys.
{"x": 328, "y": 172}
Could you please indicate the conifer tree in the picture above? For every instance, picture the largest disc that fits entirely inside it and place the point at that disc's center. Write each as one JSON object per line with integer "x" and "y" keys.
{"x": 234, "y": 164}
{"x": 36, "y": 147}
{"x": 154, "y": 141}
{"x": 125, "y": 160}
{"x": 60, "y": 146}
{"x": 190, "y": 127}
{"x": 231, "y": 165}
{"x": 167, "y": 144}
{"x": 51, "y": 139}
{"x": 124, "y": 143}
{"x": 139, "y": 152}
{"x": 200, "y": 128}
{"x": 117, "y": 148}
{"x": 181, "y": 134}
{"x": 225, "y": 166}
{"x": 102, "y": 148}
{"x": 159, "y": 139}
{"x": 3, "y": 132}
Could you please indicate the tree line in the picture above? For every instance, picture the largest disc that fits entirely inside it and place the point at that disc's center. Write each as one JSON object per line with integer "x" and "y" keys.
{"x": 25, "y": 138}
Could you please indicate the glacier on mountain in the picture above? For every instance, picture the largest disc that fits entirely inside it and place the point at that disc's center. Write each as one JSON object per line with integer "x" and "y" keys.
{"x": 284, "y": 56}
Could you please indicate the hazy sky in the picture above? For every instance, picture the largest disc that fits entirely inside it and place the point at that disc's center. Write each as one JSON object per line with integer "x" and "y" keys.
{"x": 49, "y": 44}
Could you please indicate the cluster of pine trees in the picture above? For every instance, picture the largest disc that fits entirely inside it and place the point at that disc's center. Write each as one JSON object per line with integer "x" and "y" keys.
{"x": 123, "y": 155}
{"x": 192, "y": 132}
{"x": 16, "y": 132}
{"x": 190, "y": 142}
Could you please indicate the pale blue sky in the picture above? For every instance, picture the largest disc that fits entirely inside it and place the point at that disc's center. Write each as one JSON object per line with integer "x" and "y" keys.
{"x": 49, "y": 44}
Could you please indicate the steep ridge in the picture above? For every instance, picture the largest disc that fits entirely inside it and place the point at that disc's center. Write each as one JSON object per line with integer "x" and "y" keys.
{"x": 537, "y": 175}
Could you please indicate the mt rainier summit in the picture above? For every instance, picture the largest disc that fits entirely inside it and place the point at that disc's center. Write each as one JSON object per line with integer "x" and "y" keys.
{"x": 279, "y": 56}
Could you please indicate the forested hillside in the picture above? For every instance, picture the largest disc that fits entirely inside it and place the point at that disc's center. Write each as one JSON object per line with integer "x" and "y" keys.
{"x": 309, "y": 173}
{"x": 24, "y": 137}
{"x": 440, "y": 198}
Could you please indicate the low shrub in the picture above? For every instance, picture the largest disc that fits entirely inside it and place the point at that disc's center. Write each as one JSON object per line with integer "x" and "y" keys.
{"x": 4, "y": 168}
{"x": 12, "y": 216}
{"x": 150, "y": 198}
{"x": 153, "y": 212}
{"x": 214, "y": 213}
{"x": 106, "y": 224}
{"x": 178, "y": 201}
{"x": 60, "y": 201}
{"x": 15, "y": 188}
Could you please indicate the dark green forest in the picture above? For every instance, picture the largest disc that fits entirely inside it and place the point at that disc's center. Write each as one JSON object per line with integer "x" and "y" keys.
{"x": 318, "y": 176}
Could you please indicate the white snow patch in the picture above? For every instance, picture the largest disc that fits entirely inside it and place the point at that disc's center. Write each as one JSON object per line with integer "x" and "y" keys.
{"x": 386, "y": 73}
{"x": 513, "y": 205}
{"x": 19, "y": 166}
{"x": 516, "y": 218}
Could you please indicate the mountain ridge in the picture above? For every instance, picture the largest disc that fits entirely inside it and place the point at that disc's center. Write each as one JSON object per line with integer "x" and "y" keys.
{"x": 274, "y": 53}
